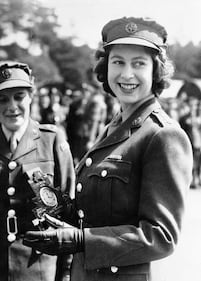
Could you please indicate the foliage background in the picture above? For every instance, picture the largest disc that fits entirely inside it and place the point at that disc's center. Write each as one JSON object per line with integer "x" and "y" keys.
{"x": 29, "y": 32}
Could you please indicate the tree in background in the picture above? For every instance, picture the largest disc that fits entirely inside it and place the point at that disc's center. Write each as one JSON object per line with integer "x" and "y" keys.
{"x": 25, "y": 31}
{"x": 185, "y": 59}
{"x": 73, "y": 62}
{"x": 29, "y": 33}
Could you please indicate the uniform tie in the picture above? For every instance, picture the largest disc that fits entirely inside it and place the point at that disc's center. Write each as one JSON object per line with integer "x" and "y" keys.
{"x": 13, "y": 142}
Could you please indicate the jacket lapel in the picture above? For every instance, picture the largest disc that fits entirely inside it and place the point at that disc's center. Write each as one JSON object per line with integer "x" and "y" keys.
{"x": 4, "y": 147}
{"x": 27, "y": 142}
{"x": 119, "y": 135}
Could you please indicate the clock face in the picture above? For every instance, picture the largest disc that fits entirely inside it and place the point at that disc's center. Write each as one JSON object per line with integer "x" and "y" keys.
{"x": 48, "y": 197}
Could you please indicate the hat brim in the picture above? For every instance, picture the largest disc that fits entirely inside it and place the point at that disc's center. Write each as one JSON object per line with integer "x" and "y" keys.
{"x": 133, "y": 41}
{"x": 14, "y": 84}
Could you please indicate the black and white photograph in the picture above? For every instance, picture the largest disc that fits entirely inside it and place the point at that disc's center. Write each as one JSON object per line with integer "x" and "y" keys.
{"x": 100, "y": 140}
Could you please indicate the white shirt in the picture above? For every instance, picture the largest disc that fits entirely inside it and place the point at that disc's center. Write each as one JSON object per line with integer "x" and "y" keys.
{"x": 19, "y": 133}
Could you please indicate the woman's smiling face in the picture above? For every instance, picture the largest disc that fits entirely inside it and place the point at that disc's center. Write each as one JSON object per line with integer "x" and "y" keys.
{"x": 14, "y": 107}
{"x": 130, "y": 73}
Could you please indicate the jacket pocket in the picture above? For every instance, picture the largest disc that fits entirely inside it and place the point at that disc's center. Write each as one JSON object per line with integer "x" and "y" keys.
{"x": 109, "y": 181}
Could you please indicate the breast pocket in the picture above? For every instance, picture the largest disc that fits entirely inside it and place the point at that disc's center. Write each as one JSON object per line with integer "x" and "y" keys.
{"x": 110, "y": 183}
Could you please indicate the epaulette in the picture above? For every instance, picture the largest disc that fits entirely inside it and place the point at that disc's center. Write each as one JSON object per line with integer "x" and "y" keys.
{"x": 162, "y": 117}
{"x": 48, "y": 127}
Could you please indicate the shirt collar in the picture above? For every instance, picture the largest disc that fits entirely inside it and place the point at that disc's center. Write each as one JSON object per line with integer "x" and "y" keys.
{"x": 19, "y": 133}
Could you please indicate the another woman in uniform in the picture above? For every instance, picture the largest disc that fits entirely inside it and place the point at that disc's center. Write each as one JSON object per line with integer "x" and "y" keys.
{"x": 26, "y": 147}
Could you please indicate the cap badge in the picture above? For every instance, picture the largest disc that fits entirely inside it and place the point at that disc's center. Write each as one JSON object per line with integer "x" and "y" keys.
{"x": 6, "y": 73}
{"x": 131, "y": 27}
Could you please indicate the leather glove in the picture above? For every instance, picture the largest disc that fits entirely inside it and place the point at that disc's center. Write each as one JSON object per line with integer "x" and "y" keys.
{"x": 64, "y": 239}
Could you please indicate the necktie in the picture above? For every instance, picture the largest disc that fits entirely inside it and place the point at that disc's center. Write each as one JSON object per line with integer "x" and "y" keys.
{"x": 13, "y": 142}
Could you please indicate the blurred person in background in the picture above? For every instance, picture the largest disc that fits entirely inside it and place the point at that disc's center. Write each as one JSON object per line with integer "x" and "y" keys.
{"x": 43, "y": 100}
{"x": 191, "y": 123}
{"x": 189, "y": 96}
{"x": 189, "y": 89}
{"x": 85, "y": 121}
{"x": 66, "y": 101}
{"x": 35, "y": 108}
{"x": 55, "y": 113}
{"x": 113, "y": 107}
{"x": 131, "y": 186}
{"x": 183, "y": 106}
{"x": 172, "y": 108}
{"x": 26, "y": 146}
{"x": 76, "y": 127}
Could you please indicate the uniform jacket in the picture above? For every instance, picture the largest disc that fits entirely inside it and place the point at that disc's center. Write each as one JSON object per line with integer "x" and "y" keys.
{"x": 42, "y": 146}
{"x": 130, "y": 197}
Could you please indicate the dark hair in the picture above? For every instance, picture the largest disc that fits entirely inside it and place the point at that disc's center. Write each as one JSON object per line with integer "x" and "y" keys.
{"x": 162, "y": 69}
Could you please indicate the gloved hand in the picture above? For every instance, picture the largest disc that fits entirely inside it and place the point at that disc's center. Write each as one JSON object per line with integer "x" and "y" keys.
{"x": 64, "y": 239}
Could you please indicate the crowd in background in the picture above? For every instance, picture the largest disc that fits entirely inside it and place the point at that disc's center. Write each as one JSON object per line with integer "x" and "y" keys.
{"x": 82, "y": 114}
{"x": 186, "y": 109}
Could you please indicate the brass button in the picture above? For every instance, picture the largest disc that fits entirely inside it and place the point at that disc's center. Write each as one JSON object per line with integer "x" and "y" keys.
{"x": 79, "y": 187}
{"x": 81, "y": 214}
{"x": 88, "y": 162}
{"x": 114, "y": 269}
{"x": 12, "y": 165}
{"x": 11, "y": 213}
{"x": 11, "y": 191}
{"x": 11, "y": 237}
{"x": 104, "y": 173}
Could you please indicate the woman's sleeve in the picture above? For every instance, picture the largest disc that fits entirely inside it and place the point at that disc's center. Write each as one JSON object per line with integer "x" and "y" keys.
{"x": 64, "y": 167}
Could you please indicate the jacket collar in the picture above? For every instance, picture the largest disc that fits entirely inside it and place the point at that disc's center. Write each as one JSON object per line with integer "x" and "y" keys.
{"x": 124, "y": 131}
{"x": 135, "y": 121}
{"x": 26, "y": 144}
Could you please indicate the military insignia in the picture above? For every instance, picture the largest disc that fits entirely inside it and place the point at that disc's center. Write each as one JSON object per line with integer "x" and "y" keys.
{"x": 6, "y": 73}
{"x": 48, "y": 197}
{"x": 131, "y": 27}
{"x": 47, "y": 200}
{"x": 137, "y": 122}
{"x": 64, "y": 146}
{"x": 114, "y": 157}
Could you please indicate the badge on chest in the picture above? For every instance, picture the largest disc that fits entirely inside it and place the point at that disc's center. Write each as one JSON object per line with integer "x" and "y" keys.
{"x": 47, "y": 200}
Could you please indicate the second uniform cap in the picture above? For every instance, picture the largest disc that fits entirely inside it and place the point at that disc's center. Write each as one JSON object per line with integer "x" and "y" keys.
{"x": 136, "y": 31}
{"x": 15, "y": 74}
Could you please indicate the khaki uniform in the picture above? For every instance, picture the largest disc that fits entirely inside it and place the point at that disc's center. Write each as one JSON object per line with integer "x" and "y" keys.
{"x": 42, "y": 146}
{"x": 130, "y": 195}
